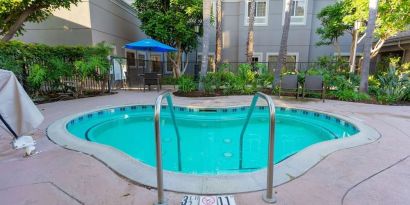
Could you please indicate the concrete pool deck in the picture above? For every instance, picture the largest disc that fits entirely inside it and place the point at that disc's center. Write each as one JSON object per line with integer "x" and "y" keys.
{"x": 375, "y": 173}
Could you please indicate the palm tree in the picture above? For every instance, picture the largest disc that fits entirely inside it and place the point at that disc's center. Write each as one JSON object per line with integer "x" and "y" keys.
{"x": 218, "y": 46}
{"x": 283, "y": 43}
{"x": 249, "y": 42}
{"x": 205, "y": 41}
{"x": 368, "y": 44}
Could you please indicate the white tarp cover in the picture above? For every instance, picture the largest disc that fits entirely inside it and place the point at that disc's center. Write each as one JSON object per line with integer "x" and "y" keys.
{"x": 16, "y": 106}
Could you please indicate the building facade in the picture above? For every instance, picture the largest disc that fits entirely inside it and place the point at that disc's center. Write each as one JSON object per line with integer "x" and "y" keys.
{"x": 88, "y": 23}
{"x": 269, "y": 18}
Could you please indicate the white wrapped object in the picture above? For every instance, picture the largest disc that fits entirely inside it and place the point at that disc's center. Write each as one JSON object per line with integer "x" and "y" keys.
{"x": 16, "y": 106}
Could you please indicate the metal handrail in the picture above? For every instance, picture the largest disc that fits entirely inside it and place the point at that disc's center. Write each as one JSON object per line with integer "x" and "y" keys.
{"x": 160, "y": 182}
{"x": 269, "y": 197}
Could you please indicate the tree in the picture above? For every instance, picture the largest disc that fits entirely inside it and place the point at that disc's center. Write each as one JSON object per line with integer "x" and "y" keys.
{"x": 332, "y": 25}
{"x": 171, "y": 22}
{"x": 205, "y": 41}
{"x": 283, "y": 43}
{"x": 393, "y": 17}
{"x": 218, "y": 46}
{"x": 371, "y": 24}
{"x": 14, "y": 13}
{"x": 249, "y": 42}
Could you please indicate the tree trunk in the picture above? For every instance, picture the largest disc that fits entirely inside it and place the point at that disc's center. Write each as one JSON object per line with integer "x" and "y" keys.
{"x": 371, "y": 24}
{"x": 283, "y": 44}
{"x": 353, "y": 48}
{"x": 218, "y": 47}
{"x": 249, "y": 42}
{"x": 17, "y": 25}
{"x": 205, "y": 41}
{"x": 176, "y": 61}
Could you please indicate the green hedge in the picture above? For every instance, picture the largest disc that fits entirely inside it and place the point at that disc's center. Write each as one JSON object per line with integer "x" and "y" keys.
{"x": 36, "y": 64}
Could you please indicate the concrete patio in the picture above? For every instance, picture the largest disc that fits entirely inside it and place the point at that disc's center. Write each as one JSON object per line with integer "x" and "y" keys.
{"x": 376, "y": 173}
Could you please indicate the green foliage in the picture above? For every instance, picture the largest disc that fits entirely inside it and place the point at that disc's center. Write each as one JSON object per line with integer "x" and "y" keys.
{"x": 351, "y": 95}
{"x": 332, "y": 25}
{"x": 36, "y": 11}
{"x": 265, "y": 80}
{"x": 37, "y": 77}
{"x": 172, "y": 22}
{"x": 393, "y": 17}
{"x": 262, "y": 68}
{"x": 224, "y": 67}
{"x": 168, "y": 80}
{"x": 394, "y": 86}
{"x": 55, "y": 62}
{"x": 245, "y": 73}
{"x": 186, "y": 84}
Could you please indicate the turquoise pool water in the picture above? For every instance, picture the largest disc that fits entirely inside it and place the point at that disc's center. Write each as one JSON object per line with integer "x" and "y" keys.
{"x": 209, "y": 138}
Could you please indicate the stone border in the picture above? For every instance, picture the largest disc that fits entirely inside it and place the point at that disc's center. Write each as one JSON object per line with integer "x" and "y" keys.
{"x": 140, "y": 173}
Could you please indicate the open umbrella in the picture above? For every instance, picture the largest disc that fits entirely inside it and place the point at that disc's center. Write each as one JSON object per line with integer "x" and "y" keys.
{"x": 150, "y": 45}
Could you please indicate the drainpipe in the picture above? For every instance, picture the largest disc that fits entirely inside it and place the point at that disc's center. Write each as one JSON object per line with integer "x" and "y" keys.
{"x": 404, "y": 51}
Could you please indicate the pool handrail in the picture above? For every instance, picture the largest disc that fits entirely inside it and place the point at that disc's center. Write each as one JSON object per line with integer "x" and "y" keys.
{"x": 158, "y": 105}
{"x": 269, "y": 197}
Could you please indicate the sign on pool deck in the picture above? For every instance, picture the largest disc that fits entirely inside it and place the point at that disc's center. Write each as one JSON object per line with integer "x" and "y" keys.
{"x": 207, "y": 200}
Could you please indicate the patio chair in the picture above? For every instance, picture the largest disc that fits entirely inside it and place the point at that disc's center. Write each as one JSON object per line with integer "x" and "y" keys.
{"x": 289, "y": 84}
{"x": 314, "y": 84}
{"x": 151, "y": 79}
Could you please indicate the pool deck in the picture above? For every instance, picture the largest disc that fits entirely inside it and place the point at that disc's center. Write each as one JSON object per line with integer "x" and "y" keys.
{"x": 376, "y": 173}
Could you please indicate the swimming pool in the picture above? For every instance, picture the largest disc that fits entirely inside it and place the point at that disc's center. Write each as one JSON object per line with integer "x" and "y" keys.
{"x": 209, "y": 137}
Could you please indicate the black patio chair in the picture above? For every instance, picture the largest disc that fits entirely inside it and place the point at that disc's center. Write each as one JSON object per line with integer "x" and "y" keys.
{"x": 289, "y": 84}
{"x": 314, "y": 84}
{"x": 151, "y": 79}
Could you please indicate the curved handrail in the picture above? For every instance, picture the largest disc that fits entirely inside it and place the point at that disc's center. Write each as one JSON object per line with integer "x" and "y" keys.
{"x": 269, "y": 191}
{"x": 160, "y": 185}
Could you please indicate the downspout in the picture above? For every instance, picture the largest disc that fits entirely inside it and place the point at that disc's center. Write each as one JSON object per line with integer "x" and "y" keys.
{"x": 404, "y": 51}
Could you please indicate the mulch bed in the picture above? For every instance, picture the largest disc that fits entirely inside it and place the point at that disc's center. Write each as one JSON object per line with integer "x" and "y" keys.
{"x": 55, "y": 97}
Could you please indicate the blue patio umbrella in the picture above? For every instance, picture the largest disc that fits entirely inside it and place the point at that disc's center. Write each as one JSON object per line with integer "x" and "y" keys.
{"x": 150, "y": 45}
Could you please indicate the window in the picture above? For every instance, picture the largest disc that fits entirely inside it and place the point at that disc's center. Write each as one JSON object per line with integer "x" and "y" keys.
{"x": 346, "y": 57}
{"x": 291, "y": 61}
{"x": 155, "y": 63}
{"x": 261, "y": 12}
{"x": 130, "y": 58}
{"x": 141, "y": 60}
{"x": 297, "y": 12}
{"x": 257, "y": 57}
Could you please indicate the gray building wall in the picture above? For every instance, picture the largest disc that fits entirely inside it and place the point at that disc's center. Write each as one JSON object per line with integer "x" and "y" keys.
{"x": 302, "y": 38}
{"x": 88, "y": 23}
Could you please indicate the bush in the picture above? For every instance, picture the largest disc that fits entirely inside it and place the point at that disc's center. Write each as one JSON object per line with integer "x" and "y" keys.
{"x": 186, "y": 84}
{"x": 393, "y": 87}
{"x": 351, "y": 95}
{"x": 36, "y": 78}
{"x": 168, "y": 80}
{"x": 56, "y": 62}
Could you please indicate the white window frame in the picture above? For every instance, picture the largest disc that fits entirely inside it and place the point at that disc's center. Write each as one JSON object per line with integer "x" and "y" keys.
{"x": 266, "y": 17}
{"x": 288, "y": 54}
{"x": 259, "y": 55}
{"x": 295, "y": 23}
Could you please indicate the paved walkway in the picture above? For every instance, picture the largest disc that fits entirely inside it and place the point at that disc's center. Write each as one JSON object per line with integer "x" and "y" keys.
{"x": 376, "y": 173}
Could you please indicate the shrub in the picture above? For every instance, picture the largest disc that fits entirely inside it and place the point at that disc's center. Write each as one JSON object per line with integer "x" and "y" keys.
{"x": 393, "y": 86}
{"x": 245, "y": 73}
{"x": 168, "y": 80}
{"x": 351, "y": 95}
{"x": 186, "y": 84}
{"x": 36, "y": 78}
{"x": 265, "y": 80}
{"x": 56, "y": 61}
